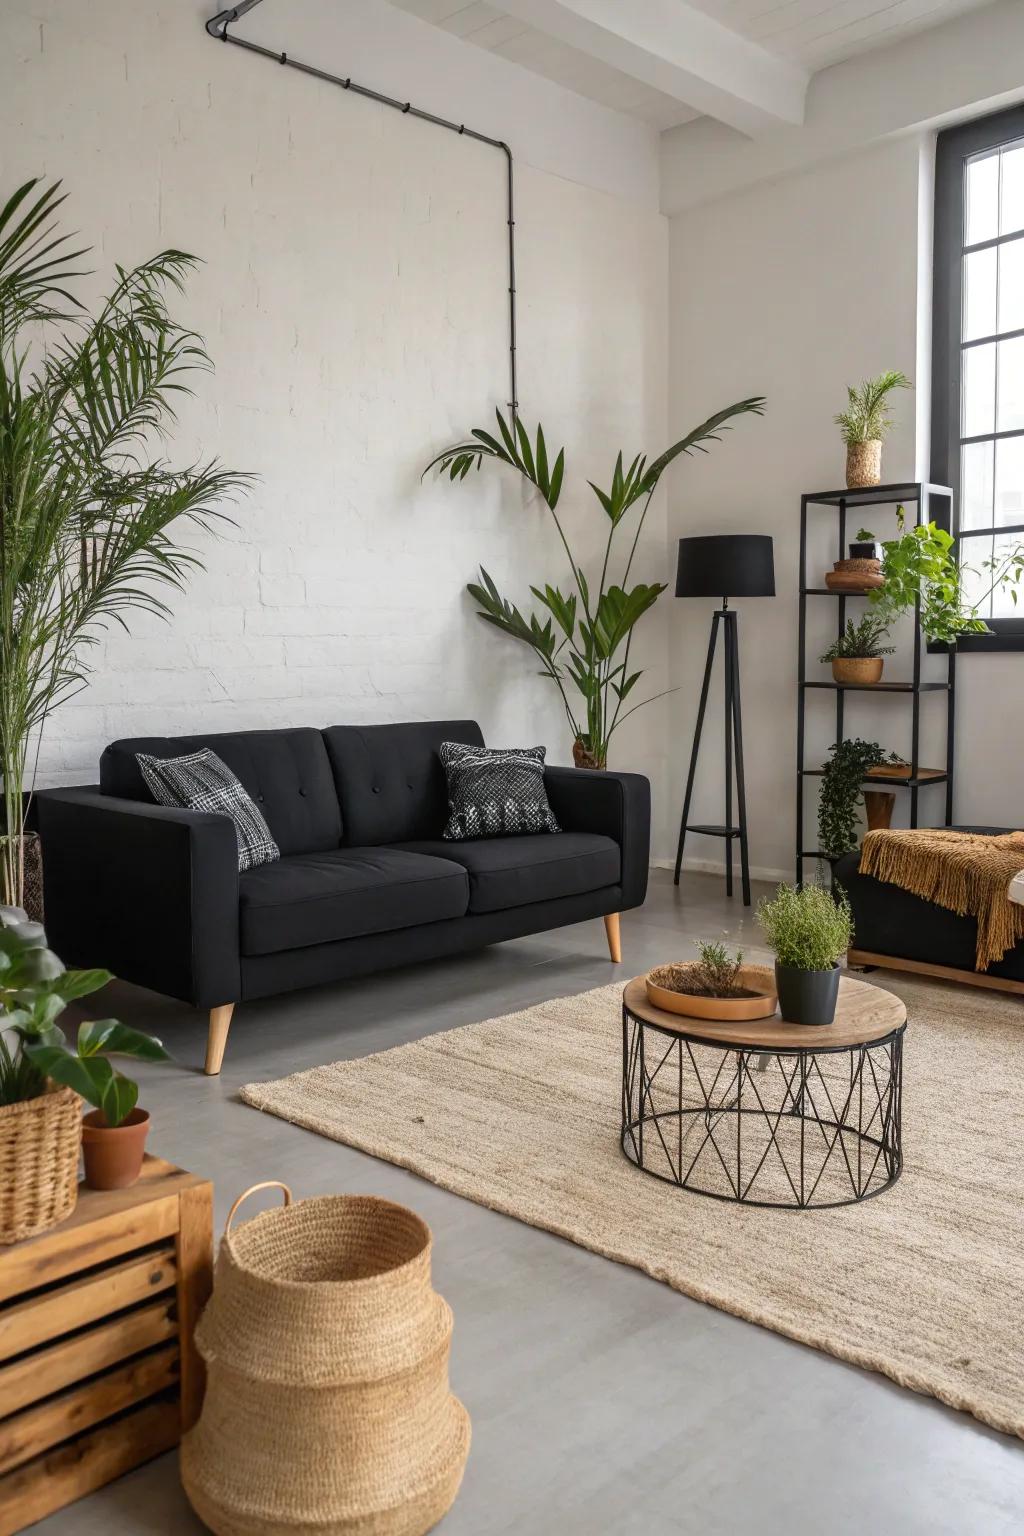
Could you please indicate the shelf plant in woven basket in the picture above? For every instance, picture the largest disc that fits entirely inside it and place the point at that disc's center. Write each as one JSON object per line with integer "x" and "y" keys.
{"x": 583, "y": 638}
{"x": 90, "y": 514}
{"x": 327, "y": 1409}
{"x": 43, "y": 1080}
{"x": 865, "y": 424}
{"x": 857, "y": 655}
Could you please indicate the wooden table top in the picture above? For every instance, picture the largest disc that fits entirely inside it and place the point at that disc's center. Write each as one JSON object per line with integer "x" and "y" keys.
{"x": 864, "y": 1013}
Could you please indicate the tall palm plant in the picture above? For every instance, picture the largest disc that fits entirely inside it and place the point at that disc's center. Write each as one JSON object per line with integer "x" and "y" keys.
{"x": 89, "y": 514}
{"x": 586, "y": 648}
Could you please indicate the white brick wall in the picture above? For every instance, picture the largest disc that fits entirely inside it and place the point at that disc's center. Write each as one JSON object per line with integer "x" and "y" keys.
{"x": 353, "y": 299}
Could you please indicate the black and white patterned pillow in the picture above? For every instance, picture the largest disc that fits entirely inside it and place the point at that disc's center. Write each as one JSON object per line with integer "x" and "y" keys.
{"x": 200, "y": 781}
{"x": 495, "y": 793}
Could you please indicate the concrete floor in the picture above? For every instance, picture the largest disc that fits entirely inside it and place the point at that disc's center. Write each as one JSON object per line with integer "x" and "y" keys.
{"x": 602, "y": 1401}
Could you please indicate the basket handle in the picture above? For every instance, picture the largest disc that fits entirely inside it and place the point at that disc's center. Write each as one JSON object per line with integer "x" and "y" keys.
{"x": 253, "y": 1188}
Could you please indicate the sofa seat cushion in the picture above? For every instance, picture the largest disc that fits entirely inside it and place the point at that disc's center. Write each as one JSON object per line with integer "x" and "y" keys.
{"x": 514, "y": 871}
{"x": 314, "y": 898}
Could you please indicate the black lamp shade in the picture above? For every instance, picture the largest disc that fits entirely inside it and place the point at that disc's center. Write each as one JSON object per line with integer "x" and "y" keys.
{"x": 726, "y": 565}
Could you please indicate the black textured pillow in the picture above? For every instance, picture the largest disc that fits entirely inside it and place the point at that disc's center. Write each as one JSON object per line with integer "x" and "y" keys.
{"x": 495, "y": 793}
{"x": 201, "y": 782}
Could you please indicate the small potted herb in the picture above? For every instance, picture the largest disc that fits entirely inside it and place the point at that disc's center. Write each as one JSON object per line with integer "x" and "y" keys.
{"x": 856, "y": 656}
{"x": 864, "y": 424}
{"x": 809, "y": 930}
{"x": 864, "y": 546}
{"x": 716, "y": 986}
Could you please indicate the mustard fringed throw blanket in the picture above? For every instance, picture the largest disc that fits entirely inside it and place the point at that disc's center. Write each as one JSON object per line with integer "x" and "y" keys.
{"x": 968, "y": 872}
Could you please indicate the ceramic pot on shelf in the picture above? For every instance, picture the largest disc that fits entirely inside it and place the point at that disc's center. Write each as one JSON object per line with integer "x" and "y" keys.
{"x": 857, "y": 669}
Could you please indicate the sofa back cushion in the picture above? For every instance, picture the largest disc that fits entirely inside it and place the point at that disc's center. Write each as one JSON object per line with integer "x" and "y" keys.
{"x": 287, "y": 773}
{"x": 389, "y": 778}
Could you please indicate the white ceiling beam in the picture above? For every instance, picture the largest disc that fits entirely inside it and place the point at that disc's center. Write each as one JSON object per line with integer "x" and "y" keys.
{"x": 678, "y": 50}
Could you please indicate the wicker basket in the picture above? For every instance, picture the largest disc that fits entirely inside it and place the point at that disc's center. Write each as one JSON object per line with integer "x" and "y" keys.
{"x": 327, "y": 1405}
{"x": 40, "y": 1140}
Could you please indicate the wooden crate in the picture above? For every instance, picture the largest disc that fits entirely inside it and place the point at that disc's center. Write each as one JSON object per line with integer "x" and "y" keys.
{"x": 98, "y": 1371}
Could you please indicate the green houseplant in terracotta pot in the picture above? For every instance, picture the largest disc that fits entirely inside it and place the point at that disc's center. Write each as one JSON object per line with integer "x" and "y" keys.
{"x": 40, "y": 1069}
{"x": 809, "y": 930}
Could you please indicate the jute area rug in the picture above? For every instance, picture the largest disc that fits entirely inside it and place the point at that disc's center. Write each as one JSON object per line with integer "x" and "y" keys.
{"x": 924, "y": 1283}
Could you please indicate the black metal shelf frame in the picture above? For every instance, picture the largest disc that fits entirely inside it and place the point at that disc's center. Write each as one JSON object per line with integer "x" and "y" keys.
{"x": 920, "y": 494}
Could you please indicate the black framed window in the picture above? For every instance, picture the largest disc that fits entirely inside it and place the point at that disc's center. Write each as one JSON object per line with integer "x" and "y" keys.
{"x": 978, "y": 354}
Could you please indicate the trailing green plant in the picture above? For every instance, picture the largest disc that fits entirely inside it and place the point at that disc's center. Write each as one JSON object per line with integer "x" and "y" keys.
{"x": 715, "y": 970}
{"x": 89, "y": 515}
{"x": 867, "y": 417}
{"x": 583, "y": 639}
{"x": 842, "y": 778}
{"x": 34, "y": 991}
{"x": 922, "y": 562}
{"x": 859, "y": 640}
{"x": 808, "y": 929}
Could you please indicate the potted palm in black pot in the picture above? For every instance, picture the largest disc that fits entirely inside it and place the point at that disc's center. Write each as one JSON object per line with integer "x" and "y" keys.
{"x": 809, "y": 930}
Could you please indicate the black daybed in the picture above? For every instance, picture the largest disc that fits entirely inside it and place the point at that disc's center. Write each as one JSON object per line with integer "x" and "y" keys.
{"x": 898, "y": 931}
{"x": 364, "y": 881}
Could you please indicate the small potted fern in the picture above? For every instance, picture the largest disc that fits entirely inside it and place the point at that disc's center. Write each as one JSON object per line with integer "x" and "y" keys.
{"x": 857, "y": 656}
{"x": 865, "y": 423}
{"x": 809, "y": 930}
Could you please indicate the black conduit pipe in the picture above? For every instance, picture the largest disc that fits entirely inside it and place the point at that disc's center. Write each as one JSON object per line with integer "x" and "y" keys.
{"x": 217, "y": 27}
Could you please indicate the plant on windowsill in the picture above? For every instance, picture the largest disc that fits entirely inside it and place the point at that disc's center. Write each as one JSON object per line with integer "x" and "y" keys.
{"x": 921, "y": 562}
{"x": 865, "y": 423}
{"x": 809, "y": 930}
{"x": 587, "y": 647}
{"x": 717, "y": 985}
{"x": 41, "y": 1078}
{"x": 89, "y": 515}
{"x": 842, "y": 777}
{"x": 857, "y": 656}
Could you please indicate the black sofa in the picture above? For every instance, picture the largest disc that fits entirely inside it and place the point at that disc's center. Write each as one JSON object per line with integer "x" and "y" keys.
{"x": 899, "y": 931}
{"x": 364, "y": 882}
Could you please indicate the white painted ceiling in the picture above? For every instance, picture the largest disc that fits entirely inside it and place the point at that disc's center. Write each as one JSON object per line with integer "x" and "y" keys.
{"x": 811, "y": 34}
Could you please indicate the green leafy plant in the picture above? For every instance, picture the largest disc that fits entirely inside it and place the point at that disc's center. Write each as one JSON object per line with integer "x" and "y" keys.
{"x": 715, "y": 970}
{"x": 867, "y": 417}
{"x": 583, "y": 639}
{"x": 865, "y": 536}
{"x": 808, "y": 929}
{"x": 89, "y": 516}
{"x": 842, "y": 777}
{"x": 34, "y": 991}
{"x": 921, "y": 562}
{"x": 859, "y": 640}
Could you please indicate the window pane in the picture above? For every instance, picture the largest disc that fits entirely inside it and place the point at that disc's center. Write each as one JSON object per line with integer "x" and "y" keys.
{"x": 1012, "y": 201}
{"x": 1010, "y": 410}
{"x": 981, "y": 198}
{"x": 1002, "y": 603}
{"x": 979, "y": 390}
{"x": 976, "y": 484}
{"x": 976, "y": 578}
{"x": 1011, "y": 286}
{"x": 980, "y": 294}
{"x": 1009, "y": 499}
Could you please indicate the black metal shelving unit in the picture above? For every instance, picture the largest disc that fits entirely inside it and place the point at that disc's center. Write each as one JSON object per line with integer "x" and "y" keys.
{"x": 921, "y": 496}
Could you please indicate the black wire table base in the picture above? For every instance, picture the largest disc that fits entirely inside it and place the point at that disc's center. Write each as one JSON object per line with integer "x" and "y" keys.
{"x": 786, "y": 1128}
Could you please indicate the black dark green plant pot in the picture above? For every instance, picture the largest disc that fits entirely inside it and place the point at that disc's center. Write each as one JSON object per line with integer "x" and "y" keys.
{"x": 864, "y": 549}
{"x": 807, "y": 997}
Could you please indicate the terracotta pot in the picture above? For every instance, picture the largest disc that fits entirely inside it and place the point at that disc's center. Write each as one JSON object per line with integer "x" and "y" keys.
{"x": 663, "y": 990}
{"x": 113, "y": 1153}
{"x": 584, "y": 758}
{"x": 863, "y": 464}
{"x": 857, "y": 669}
{"x": 878, "y": 805}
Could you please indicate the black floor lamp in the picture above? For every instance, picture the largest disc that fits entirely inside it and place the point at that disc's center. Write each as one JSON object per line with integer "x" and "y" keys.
{"x": 724, "y": 565}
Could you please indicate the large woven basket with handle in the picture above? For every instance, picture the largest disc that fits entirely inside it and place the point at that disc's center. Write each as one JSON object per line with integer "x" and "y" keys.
{"x": 327, "y": 1403}
{"x": 40, "y": 1140}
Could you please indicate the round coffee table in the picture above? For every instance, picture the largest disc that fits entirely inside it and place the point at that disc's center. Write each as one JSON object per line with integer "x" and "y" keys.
{"x": 767, "y": 1113}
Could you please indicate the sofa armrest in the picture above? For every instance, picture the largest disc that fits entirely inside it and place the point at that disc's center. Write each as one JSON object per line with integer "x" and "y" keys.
{"x": 618, "y": 805}
{"x": 149, "y": 892}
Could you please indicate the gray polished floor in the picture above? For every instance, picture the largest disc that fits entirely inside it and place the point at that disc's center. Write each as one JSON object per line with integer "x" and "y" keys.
{"x": 602, "y": 1402}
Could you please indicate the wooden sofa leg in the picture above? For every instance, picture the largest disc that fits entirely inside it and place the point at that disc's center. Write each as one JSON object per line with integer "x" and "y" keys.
{"x": 611, "y": 928}
{"x": 217, "y": 1037}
